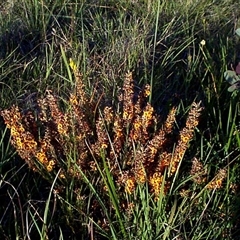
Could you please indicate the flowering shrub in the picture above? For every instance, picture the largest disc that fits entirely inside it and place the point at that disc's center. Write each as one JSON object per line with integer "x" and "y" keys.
{"x": 135, "y": 150}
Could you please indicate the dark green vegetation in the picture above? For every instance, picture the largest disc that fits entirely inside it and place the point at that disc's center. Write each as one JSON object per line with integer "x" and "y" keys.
{"x": 180, "y": 48}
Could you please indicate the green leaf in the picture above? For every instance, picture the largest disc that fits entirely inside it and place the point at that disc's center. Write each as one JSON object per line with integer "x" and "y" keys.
{"x": 238, "y": 32}
{"x": 231, "y": 77}
{"x": 235, "y": 86}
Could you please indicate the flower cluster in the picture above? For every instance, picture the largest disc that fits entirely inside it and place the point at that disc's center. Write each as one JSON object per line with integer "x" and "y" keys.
{"x": 217, "y": 181}
{"x": 26, "y": 141}
{"x": 137, "y": 148}
{"x": 198, "y": 172}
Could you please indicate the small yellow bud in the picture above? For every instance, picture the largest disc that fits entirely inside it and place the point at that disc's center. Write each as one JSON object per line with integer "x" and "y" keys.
{"x": 203, "y": 42}
{"x": 72, "y": 65}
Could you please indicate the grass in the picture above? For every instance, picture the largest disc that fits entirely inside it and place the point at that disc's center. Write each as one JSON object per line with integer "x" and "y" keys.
{"x": 111, "y": 184}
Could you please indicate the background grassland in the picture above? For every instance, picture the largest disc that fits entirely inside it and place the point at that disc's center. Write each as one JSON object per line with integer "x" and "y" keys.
{"x": 161, "y": 43}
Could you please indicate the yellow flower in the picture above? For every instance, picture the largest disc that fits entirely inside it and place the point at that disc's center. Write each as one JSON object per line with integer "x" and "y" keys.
{"x": 50, "y": 165}
{"x": 136, "y": 125}
{"x": 147, "y": 90}
{"x": 130, "y": 185}
{"x": 41, "y": 156}
{"x": 19, "y": 142}
{"x": 72, "y": 65}
{"x": 203, "y": 42}
{"x": 104, "y": 146}
{"x": 73, "y": 100}
{"x": 155, "y": 182}
{"x": 141, "y": 175}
